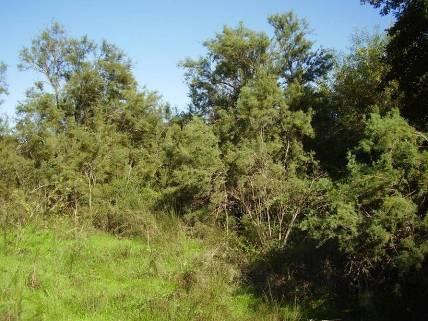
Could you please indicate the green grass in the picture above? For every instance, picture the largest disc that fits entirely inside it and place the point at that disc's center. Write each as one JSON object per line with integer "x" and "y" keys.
{"x": 65, "y": 273}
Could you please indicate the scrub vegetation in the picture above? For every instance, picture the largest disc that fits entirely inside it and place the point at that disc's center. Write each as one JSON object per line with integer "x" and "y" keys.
{"x": 294, "y": 187}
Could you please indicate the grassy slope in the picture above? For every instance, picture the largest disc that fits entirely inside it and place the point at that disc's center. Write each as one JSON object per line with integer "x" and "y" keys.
{"x": 61, "y": 273}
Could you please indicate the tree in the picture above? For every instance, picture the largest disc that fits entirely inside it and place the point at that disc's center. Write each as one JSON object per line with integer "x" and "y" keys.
{"x": 388, "y": 5}
{"x": 81, "y": 74}
{"x": 407, "y": 55}
{"x": 386, "y": 190}
{"x": 377, "y": 216}
{"x": 55, "y": 56}
{"x": 237, "y": 54}
{"x": 215, "y": 80}
{"x": 192, "y": 167}
{"x": 69, "y": 134}
{"x": 246, "y": 87}
{"x": 354, "y": 91}
{"x": 294, "y": 60}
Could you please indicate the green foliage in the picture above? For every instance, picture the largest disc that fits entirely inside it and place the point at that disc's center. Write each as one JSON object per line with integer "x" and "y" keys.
{"x": 56, "y": 56}
{"x": 354, "y": 92}
{"x": 266, "y": 182}
{"x": 64, "y": 272}
{"x": 294, "y": 59}
{"x": 236, "y": 55}
{"x": 377, "y": 214}
{"x": 97, "y": 134}
{"x": 244, "y": 86}
{"x": 192, "y": 166}
{"x": 379, "y": 209}
{"x": 388, "y": 5}
{"x": 320, "y": 184}
{"x": 406, "y": 54}
{"x": 409, "y": 44}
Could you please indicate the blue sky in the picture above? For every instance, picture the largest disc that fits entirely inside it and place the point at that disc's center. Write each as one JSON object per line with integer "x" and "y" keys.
{"x": 158, "y": 34}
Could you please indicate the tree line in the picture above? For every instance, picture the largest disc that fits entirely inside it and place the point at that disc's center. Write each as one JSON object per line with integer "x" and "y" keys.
{"x": 316, "y": 162}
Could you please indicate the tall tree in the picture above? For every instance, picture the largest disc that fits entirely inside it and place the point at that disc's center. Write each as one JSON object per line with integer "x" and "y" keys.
{"x": 294, "y": 58}
{"x": 354, "y": 91}
{"x": 237, "y": 54}
{"x": 56, "y": 56}
{"x": 245, "y": 87}
{"x": 233, "y": 59}
{"x": 407, "y": 54}
{"x": 68, "y": 131}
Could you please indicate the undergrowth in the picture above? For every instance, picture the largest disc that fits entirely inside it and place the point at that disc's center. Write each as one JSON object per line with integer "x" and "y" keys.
{"x": 57, "y": 271}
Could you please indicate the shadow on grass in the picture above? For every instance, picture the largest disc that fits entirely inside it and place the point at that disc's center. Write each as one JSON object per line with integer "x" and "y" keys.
{"x": 314, "y": 278}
